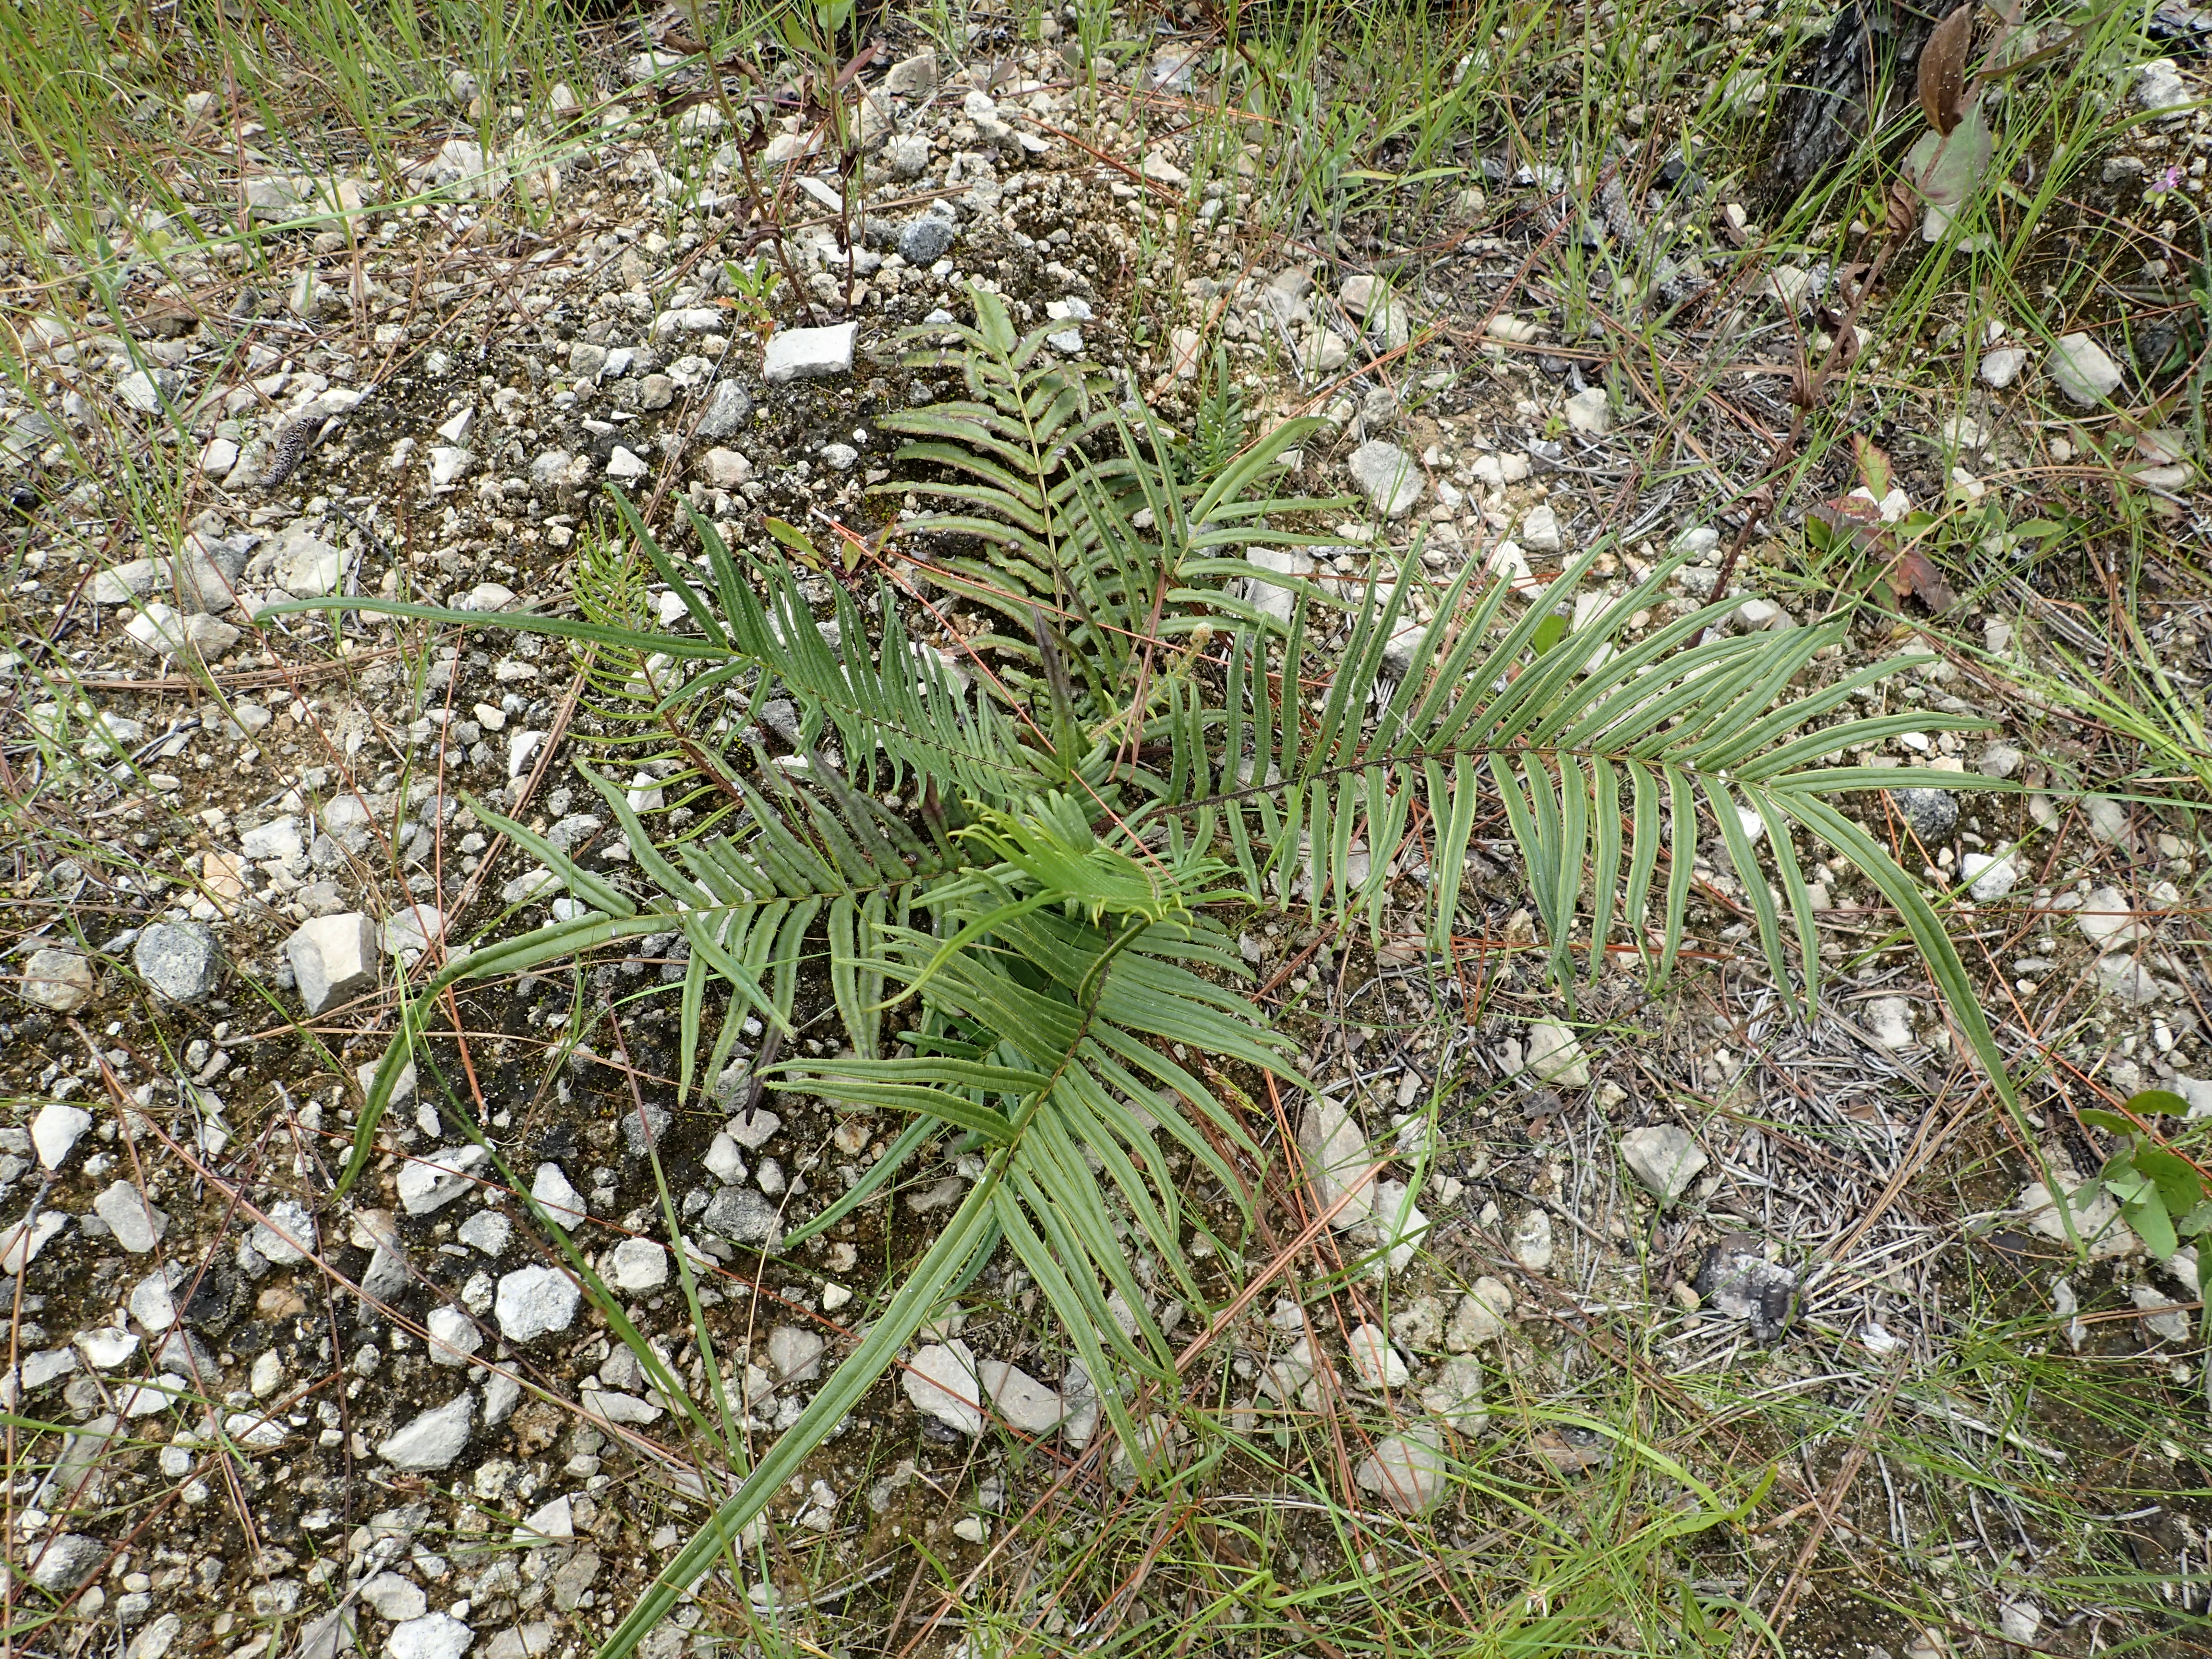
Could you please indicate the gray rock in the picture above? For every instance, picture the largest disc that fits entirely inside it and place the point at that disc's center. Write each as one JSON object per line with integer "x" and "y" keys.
{"x": 655, "y": 391}
{"x": 941, "y": 1382}
{"x": 1019, "y": 1399}
{"x": 437, "y": 1179}
{"x": 1336, "y": 1156}
{"x": 454, "y": 1335}
{"x": 564, "y": 1205}
{"x": 40, "y": 1370}
{"x": 2096, "y": 1220}
{"x": 306, "y": 565}
{"x": 1930, "y": 814}
{"x": 162, "y": 631}
{"x": 2108, "y": 920}
{"x": 1532, "y": 1241}
{"x": 1400, "y": 650}
{"x": 923, "y": 240}
{"x": 1400, "y": 1223}
{"x": 151, "y": 1303}
{"x": 2159, "y": 88}
{"x": 56, "y": 1131}
{"x": 403, "y": 1086}
{"x": 535, "y": 1639}
{"x": 292, "y": 1237}
{"x": 277, "y": 841}
{"x": 488, "y": 1232}
{"x": 725, "y": 410}
{"x": 1540, "y": 529}
{"x": 2002, "y": 367}
{"x": 795, "y": 1353}
{"x": 809, "y": 353}
{"x": 1988, "y": 877}
{"x": 154, "y": 1641}
{"x": 553, "y": 1523}
{"x": 535, "y": 1301}
{"x": 1999, "y": 760}
{"x": 1456, "y": 1395}
{"x": 1889, "y": 1022}
{"x": 59, "y": 979}
{"x": 637, "y": 1264}
{"x": 390, "y": 1597}
{"x": 386, "y": 1276}
{"x": 1589, "y": 412}
{"x": 1374, "y": 1361}
{"x": 2108, "y": 820}
{"x": 744, "y": 1217}
{"x": 107, "y": 1346}
{"x": 1480, "y": 1316}
{"x": 503, "y": 1393}
{"x": 1272, "y": 600}
{"x": 146, "y": 392}
{"x": 1664, "y": 1158}
{"x": 2082, "y": 369}
{"x": 639, "y": 1132}
{"x": 180, "y": 961}
{"x": 413, "y": 927}
{"x": 22, "y": 1241}
{"x": 64, "y": 1561}
{"x": 2127, "y": 981}
{"x": 1737, "y": 1281}
{"x": 137, "y": 1224}
{"x": 1389, "y": 477}
{"x": 906, "y": 155}
{"x": 574, "y": 1578}
{"x": 433, "y": 1439}
{"x": 334, "y": 959}
{"x": 1407, "y": 1471}
{"x": 912, "y": 77}
{"x": 1556, "y": 1056}
{"x": 725, "y": 469}
{"x": 434, "y": 1636}
{"x": 1419, "y": 1325}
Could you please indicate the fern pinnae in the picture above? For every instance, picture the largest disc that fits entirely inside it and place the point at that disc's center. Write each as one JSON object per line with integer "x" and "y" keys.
{"x": 1573, "y": 834}
{"x": 1449, "y": 839}
{"x": 1781, "y": 840}
{"x": 1872, "y": 731}
{"x": 1743, "y": 857}
{"x": 1615, "y": 693}
{"x": 1682, "y": 855}
{"x": 1643, "y": 857}
{"x": 1606, "y": 873}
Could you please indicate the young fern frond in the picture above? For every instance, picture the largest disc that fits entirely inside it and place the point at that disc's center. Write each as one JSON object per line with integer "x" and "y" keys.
{"x": 1067, "y": 531}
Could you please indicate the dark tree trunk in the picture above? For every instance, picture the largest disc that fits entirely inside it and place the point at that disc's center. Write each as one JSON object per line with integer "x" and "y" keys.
{"x": 1824, "y": 109}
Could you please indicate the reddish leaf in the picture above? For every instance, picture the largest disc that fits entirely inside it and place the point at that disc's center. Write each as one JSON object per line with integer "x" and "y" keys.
{"x": 1853, "y": 519}
{"x": 1873, "y": 465}
{"x": 1915, "y": 573}
{"x": 1943, "y": 70}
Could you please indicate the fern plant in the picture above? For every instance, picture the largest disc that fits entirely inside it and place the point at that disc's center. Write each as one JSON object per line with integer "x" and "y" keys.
{"x": 1019, "y": 952}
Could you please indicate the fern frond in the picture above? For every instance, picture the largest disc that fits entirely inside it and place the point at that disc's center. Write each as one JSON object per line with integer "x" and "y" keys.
{"x": 1595, "y": 749}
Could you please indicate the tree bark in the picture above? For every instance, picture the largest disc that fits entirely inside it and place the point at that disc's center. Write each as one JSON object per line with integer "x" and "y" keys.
{"x": 1824, "y": 110}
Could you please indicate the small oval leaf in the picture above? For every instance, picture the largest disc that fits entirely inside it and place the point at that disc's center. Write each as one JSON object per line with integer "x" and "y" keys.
{"x": 2155, "y": 1102}
{"x": 1943, "y": 70}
